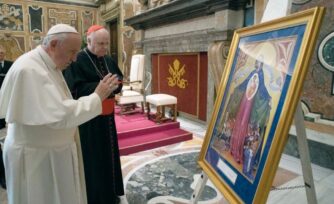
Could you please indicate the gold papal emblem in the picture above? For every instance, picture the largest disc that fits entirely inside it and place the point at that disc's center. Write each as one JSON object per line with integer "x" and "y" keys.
{"x": 176, "y": 74}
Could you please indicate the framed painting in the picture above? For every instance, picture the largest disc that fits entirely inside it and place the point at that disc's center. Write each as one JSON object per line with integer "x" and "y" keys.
{"x": 258, "y": 94}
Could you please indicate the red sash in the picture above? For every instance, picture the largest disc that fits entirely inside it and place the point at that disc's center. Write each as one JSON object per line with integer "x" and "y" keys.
{"x": 108, "y": 106}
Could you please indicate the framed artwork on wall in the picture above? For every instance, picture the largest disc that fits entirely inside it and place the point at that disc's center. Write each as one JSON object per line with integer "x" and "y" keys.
{"x": 257, "y": 98}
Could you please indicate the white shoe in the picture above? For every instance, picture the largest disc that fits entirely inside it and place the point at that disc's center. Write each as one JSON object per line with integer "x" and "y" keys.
{"x": 123, "y": 200}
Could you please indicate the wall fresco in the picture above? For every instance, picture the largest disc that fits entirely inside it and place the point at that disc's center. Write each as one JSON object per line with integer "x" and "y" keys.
{"x": 11, "y": 17}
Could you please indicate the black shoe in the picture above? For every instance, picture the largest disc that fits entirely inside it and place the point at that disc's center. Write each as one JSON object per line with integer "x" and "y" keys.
{"x": 3, "y": 183}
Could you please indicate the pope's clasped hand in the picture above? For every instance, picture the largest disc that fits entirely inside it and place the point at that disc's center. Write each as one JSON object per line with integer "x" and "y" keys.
{"x": 107, "y": 85}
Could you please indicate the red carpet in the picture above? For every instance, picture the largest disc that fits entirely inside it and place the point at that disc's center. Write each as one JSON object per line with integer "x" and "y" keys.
{"x": 136, "y": 133}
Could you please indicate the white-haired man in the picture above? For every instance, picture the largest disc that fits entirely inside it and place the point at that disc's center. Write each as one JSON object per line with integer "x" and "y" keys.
{"x": 101, "y": 157}
{"x": 42, "y": 152}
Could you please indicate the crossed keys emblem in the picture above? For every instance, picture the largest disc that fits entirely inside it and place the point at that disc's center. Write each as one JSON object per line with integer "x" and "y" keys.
{"x": 176, "y": 74}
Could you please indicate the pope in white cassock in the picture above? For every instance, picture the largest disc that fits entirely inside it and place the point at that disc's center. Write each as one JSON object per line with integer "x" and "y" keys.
{"x": 42, "y": 152}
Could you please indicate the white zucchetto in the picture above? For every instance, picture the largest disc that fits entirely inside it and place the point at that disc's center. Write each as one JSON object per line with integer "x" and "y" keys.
{"x": 61, "y": 28}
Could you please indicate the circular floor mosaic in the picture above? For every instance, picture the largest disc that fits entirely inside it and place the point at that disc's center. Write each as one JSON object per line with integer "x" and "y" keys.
{"x": 166, "y": 180}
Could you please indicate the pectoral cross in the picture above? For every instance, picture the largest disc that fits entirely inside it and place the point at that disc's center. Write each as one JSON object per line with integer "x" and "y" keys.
{"x": 101, "y": 67}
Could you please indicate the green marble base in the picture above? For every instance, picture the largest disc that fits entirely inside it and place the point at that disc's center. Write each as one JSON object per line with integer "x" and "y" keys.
{"x": 321, "y": 154}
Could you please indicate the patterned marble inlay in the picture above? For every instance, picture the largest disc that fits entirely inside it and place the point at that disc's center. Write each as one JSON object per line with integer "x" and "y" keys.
{"x": 14, "y": 46}
{"x": 66, "y": 16}
{"x": 170, "y": 178}
{"x": 36, "y": 14}
{"x": 11, "y": 17}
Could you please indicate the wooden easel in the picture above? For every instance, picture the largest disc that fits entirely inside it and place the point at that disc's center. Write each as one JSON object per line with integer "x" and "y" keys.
{"x": 304, "y": 158}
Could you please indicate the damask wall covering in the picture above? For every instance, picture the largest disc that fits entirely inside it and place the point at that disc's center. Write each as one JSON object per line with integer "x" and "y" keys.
{"x": 23, "y": 23}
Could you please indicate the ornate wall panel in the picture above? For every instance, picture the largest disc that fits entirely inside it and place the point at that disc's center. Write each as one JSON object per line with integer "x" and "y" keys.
{"x": 87, "y": 20}
{"x": 11, "y": 17}
{"x": 23, "y": 23}
{"x": 14, "y": 46}
{"x": 60, "y": 15}
{"x": 35, "y": 19}
{"x": 217, "y": 56}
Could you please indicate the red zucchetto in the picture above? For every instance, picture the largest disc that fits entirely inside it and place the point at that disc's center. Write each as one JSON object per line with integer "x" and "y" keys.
{"x": 94, "y": 28}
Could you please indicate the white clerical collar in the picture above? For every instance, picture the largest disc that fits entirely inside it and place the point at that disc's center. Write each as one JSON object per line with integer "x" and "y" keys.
{"x": 45, "y": 57}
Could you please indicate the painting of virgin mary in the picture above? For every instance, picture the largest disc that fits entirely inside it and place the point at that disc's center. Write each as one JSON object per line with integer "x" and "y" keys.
{"x": 249, "y": 105}
{"x": 256, "y": 101}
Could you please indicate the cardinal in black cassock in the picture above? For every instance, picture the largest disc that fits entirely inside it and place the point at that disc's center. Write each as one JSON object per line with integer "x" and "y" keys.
{"x": 104, "y": 182}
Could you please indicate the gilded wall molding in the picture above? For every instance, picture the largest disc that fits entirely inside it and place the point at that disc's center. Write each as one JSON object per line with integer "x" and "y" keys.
{"x": 110, "y": 10}
{"x": 110, "y": 15}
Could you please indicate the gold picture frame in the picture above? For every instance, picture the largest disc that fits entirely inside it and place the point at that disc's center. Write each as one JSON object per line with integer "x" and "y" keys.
{"x": 257, "y": 98}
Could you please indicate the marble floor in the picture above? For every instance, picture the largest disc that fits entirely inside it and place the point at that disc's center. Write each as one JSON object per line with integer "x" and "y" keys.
{"x": 167, "y": 175}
